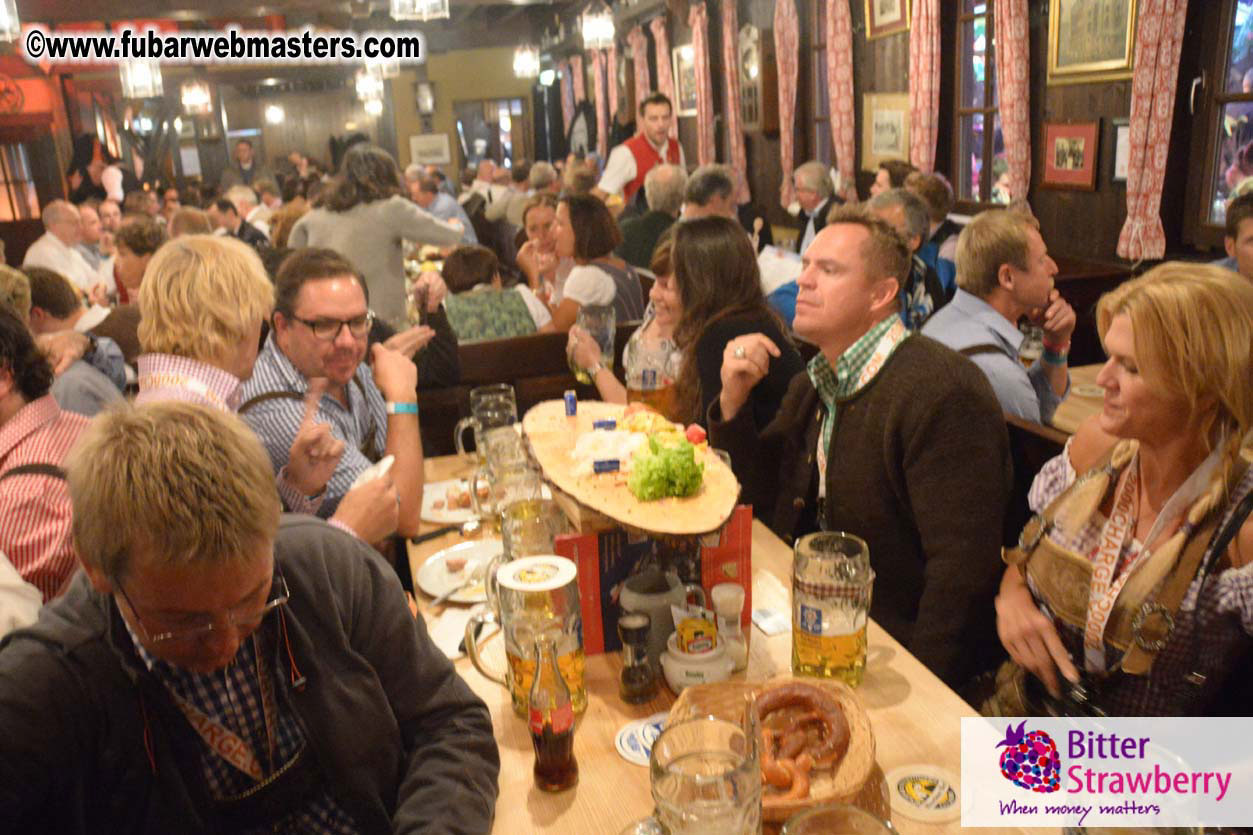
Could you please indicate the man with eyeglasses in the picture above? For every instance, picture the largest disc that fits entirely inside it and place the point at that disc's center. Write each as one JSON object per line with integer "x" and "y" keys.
{"x": 321, "y": 325}
{"x": 215, "y": 669}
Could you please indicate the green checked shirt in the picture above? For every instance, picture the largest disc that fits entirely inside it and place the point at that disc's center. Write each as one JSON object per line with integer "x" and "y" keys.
{"x": 853, "y": 371}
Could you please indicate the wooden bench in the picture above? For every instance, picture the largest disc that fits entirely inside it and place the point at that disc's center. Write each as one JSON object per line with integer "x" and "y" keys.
{"x": 534, "y": 365}
{"x": 1031, "y": 445}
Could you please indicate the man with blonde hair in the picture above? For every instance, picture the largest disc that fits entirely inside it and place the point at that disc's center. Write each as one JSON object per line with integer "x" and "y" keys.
{"x": 1004, "y": 273}
{"x": 217, "y": 668}
{"x": 202, "y": 305}
{"x": 886, "y": 435}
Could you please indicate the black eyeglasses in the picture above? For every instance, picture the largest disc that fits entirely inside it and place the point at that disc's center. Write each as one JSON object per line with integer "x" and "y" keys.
{"x": 244, "y": 619}
{"x": 328, "y": 329}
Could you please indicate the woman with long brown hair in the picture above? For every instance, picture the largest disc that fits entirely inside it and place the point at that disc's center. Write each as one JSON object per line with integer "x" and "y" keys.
{"x": 719, "y": 286}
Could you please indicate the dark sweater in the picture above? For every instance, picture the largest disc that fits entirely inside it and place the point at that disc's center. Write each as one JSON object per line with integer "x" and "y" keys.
{"x": 402, "y": 742}
{"x": 640, "y": 236}
{"x": 920, "y": 469}
{"x": 764, "y": 401}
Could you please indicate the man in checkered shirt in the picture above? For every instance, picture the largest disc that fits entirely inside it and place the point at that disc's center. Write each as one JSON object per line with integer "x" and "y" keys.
{"x": 219, "y": 668}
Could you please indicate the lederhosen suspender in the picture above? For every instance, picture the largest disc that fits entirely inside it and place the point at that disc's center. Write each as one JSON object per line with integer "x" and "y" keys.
{"x": 366, "y": 447}
{"x": 35, "y": 469}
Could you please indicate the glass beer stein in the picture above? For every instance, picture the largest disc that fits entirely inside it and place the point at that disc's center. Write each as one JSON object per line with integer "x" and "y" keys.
{"x": 831, "y": 585}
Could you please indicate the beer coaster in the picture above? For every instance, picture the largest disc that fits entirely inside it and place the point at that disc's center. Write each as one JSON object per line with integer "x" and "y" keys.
{"x": 925, "y": 792}
{"x": 634, "y": 740}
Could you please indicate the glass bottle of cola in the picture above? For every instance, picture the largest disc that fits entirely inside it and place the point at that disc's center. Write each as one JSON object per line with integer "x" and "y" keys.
{"x": 552, "y": 722}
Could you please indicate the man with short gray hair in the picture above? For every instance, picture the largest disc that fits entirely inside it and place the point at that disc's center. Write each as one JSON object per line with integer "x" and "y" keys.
{"x": 813, "y": 189}
{"x": 545, "y": 178}
{"x": 248, "y": 206}
{"x": 425, "y": 190}
{"x": 922, "y": 293}
{"x": 56, "y": 249}
{"x": 710, "y": 191}
{"x": 663, "y": 187}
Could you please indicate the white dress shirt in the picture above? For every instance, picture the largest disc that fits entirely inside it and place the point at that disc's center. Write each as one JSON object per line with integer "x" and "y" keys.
{"x": 51, "y": 253}
{"x": 620, "y": 168}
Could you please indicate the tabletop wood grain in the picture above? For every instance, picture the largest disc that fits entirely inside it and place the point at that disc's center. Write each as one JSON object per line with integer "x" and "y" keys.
{"x": 1079, "y": 405}
{"x": 914, "y": 715}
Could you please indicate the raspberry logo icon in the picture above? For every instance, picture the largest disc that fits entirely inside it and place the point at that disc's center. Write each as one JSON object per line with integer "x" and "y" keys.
{"x": 1030, "y": 759}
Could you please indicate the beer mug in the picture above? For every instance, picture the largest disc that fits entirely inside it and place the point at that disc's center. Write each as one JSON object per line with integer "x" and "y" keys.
{"x": 705, "y": 777}
{"x": 831, "y": 585}
{"x": 537, "y": 596}
{"x": 529, "y": 524}
{"x": 490, "y": 406}
{"x": 599, "y": 321}
{"x": 504, "y": 460}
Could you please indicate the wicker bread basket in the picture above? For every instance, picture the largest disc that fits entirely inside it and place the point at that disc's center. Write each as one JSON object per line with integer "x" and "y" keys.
{"x": 845, "y": 784}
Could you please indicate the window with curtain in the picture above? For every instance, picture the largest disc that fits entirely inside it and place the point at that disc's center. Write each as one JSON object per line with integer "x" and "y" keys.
{"x": 820, "y": 128}
{"x": 1228, "y": 110}
{"x": 979, "y": 167}
{"x": 18, "y": 200}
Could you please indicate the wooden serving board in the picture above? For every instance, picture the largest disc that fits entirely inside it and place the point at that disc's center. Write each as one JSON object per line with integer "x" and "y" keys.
{"x": 848, "y": 783}
{"x": 552, "y": 436}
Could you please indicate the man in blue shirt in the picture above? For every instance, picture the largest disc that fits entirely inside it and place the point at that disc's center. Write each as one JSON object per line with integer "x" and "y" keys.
{"x": 1004, "y": 272}
{"x": 426, "y": 192}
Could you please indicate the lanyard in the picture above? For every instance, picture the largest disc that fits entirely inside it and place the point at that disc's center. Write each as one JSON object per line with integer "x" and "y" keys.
{"x": 1114, "y": 533}
{"x": 226, "y": 743}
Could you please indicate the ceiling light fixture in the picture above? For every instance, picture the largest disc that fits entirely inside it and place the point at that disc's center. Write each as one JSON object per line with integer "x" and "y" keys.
{"x": 141, "y": 79}
{"x": 419, "y": 9}
{"x": 526, "y": 62}
{"x": 597, "y": 26}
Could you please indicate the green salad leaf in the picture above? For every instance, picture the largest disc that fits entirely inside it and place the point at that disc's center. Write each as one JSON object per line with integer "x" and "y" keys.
{"x": 667, "y": 468}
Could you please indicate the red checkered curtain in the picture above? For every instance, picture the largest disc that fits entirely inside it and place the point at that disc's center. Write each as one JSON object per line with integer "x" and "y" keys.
{"x": 924, "y": 83}
{"x": 598, "y": 85}
{"x": 567, "y": 94}
{"x": 611, "y": 77}
{"x": 1013, "y": 84}
{"x": 841, "y": 107}
{"x": 665, "y": 76}
{"x": 638, "y": 42}
{"x": 698, "y": 19}
{"x": 736, "y": 156}
{"x": 1159, "y": 35}
{"x": 580, "y": 82}
{"x": 786, "y": 41}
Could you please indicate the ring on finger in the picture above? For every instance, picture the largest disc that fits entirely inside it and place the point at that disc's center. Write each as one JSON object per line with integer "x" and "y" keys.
{"x": 739, "y": 352}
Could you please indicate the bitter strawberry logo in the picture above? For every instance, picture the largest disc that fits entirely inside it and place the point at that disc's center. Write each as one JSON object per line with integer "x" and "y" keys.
{"x": 1030, "y": 760}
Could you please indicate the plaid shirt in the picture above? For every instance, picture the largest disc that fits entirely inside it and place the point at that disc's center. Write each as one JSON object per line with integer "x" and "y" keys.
{"x": 857, "y": 366}
{"x": 35, "y": 511}
{"x": 232, "y": 697}
{"x": 1214, "y": 616}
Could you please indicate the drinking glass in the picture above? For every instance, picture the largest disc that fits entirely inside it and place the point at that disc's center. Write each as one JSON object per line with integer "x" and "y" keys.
{"x": 706, "y": 780}
{"x": 831, "y": 586}
{"x": 490, "y": 407}
{"x": 599, "y": 321}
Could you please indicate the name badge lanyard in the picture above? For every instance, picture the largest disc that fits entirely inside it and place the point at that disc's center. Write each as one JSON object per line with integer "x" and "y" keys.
{"x": 1114, "y": 533}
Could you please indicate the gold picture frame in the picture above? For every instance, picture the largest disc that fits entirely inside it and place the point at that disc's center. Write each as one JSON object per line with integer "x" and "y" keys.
{"x": 885, "y": 128}
{"x": 1091, "y": 40}
{"x": 886, "y": 17}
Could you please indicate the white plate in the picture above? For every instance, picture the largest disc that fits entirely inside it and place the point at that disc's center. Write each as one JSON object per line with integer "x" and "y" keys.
{"x": 438, "y": 491}
{"x": 434, "y": 578}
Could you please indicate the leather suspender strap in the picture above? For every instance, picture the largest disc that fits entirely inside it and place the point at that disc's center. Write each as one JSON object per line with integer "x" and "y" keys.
{"x": 983, "y": 348}
{"x": 51, "y": 470}
{"x": 366, "y": 447}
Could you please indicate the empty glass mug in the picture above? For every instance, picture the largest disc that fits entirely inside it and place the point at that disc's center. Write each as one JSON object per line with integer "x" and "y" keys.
{"x": 490, "y": 406}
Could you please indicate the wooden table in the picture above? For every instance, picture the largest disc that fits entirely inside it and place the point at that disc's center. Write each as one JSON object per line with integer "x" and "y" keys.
{"x": 914, "y": 715}
{"x": 1077, "y": 408}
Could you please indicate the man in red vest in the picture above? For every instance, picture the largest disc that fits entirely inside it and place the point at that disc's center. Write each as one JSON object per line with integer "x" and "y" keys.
{"x": 631, "y": 161}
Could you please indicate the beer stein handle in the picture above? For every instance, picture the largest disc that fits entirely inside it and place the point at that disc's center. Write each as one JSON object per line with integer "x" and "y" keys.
{"x": 472, "y": 646}
{"x": 693, "y": 589}
{"x": 480, "y": 475}
{"x": 490, "y": 587}
{"x": 458, "y": 432}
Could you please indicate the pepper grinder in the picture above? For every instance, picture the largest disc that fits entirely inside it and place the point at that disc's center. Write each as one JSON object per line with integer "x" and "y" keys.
{"x": 638, "y": 682}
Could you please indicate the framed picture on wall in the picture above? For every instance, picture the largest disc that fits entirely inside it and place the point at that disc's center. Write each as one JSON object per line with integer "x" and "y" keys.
{"x": 885, "y": 128}
{"x": 1090, "y": 40}
{"x": 886, "y": 17}
{"x": 1070, "y": 155}
{"x": 684, "y": 58}
{"x": 430, "y": 149}
{"x": 1122, "y": 150}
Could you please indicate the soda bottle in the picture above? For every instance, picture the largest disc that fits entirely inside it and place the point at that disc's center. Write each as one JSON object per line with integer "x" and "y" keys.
{"x": 552, "y": 722}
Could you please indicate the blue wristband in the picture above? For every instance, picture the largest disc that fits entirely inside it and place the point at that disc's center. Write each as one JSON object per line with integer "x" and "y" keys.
{"x": 401, "y": 408}
{"x": 1053, "y": 357}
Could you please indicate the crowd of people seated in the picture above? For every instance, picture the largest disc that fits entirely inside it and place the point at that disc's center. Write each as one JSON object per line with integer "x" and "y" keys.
{"x": 188, "y": 397}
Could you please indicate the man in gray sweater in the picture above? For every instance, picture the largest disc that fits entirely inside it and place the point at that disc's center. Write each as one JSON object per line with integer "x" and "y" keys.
{"x": 215, "y": 669}
{"x": 886, "y": 435}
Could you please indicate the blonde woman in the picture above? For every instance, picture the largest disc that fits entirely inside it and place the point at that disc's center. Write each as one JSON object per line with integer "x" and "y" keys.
{"x": 1139, "y": 572}
{"x": 202, "y": 303}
